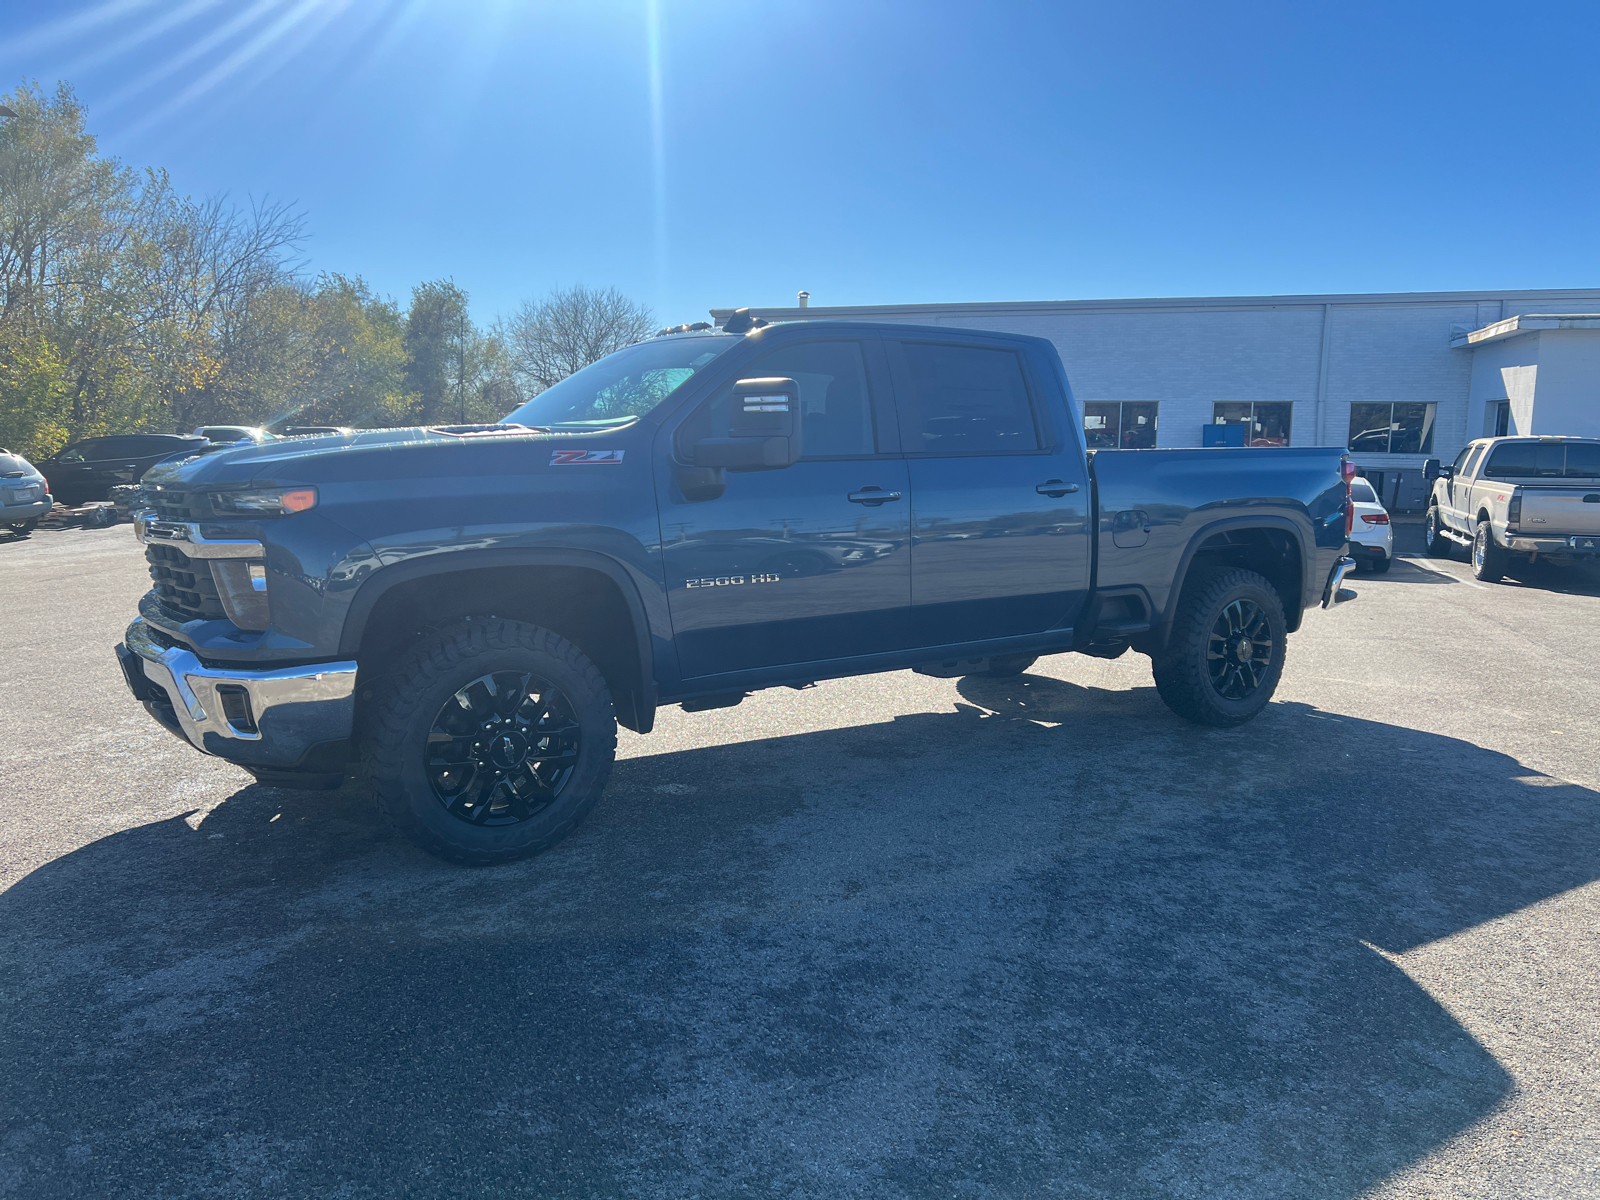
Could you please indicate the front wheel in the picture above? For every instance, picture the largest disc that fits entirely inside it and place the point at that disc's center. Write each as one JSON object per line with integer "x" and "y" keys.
{"x": 1225, "y": 655}
{"x": 1433, "y": 534}
{"x": 493, "y": 741}
{"x": 1488, "y": 558}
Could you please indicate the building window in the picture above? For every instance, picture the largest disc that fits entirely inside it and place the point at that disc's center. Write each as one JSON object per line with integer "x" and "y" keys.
{"x": 1391, "y": 428}
{"x": 1502, "y": 418}
{"x": 1119, "y": 425}
{"x": 1266, "y": 422}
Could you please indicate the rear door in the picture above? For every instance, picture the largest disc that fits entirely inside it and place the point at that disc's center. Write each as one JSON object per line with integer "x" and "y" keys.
{"x": 802, "y": 564}
{"x": 999, "y": 490}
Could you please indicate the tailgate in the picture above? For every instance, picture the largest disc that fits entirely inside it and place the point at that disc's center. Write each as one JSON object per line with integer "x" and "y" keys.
{"x": 1558, "y": 511}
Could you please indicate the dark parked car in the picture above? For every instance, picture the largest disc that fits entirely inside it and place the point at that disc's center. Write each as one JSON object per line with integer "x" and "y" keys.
{"x": 24, "y": 494}
{"x": 89, "y": 469}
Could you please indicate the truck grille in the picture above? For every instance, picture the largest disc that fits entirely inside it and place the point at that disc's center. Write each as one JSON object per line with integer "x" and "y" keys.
{"x": 172, "y": 505}
{"x": 184, "y": 586}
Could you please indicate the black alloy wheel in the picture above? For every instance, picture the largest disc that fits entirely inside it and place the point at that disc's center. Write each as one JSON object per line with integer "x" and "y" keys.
{"x": 502, "y": 748}
{"x": 1239, "y": 656}
{"x": 1225, "y": 653}
{"x": 488, "y": 741}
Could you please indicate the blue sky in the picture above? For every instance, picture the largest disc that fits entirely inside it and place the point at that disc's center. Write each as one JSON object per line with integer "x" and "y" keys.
{"x": 697, "y": 154}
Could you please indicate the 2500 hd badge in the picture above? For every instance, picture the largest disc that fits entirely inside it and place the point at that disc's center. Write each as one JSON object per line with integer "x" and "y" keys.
{"x": 732, "y": 580}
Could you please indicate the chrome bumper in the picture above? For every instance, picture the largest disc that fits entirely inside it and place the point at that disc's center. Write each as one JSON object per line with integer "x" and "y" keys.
{"x": 1573, "y": 544}
{"x": 288, "y": 711}
{"x": 1332, "y": 591}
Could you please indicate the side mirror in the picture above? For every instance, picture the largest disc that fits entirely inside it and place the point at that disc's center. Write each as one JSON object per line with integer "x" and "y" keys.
{"x": 763, "y": 429}
{"x": 1430, "y": 469}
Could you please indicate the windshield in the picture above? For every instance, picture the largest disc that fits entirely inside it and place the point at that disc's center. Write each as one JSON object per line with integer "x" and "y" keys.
{"x": 622, "y": 386}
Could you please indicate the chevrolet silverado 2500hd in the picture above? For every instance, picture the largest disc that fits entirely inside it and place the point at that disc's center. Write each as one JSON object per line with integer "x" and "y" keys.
{"x": 1522, "y": 497}
{"x": 461, "y": 615}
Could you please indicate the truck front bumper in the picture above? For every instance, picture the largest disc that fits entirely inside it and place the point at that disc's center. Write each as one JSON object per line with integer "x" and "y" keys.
{"x": 294, "y": 718}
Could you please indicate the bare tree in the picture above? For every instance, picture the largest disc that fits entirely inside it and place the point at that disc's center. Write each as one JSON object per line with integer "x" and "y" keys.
{"x": 570, "y": 328}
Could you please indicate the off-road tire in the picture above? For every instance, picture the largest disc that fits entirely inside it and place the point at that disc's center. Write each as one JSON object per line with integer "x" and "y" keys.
{"x": 1488, "y": 556}
{"x": 1183, "y": 669}
{"x": 1007, "y": 666}
{"x": 1439, "y": 546}
{"x": 396, "y": 727}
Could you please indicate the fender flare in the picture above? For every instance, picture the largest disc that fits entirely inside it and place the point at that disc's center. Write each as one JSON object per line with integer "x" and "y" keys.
{"x": 446, "y": 562}
{"x": 1303, "y": 537}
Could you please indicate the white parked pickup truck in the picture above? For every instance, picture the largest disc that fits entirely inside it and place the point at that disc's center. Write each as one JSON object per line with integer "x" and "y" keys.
{"x": 1525, "y": 496}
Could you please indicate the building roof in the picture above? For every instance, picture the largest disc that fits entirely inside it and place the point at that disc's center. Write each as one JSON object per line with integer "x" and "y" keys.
{"x": 1020, "y": 307}
{"x": 1526, "y": 323}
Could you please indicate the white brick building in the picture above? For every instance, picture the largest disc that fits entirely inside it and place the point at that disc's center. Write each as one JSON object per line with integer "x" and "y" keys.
{"x": 1309, "y": 370}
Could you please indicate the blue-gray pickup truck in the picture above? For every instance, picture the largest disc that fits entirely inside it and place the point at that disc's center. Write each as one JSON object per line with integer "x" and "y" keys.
{"x": 460, "y": 616}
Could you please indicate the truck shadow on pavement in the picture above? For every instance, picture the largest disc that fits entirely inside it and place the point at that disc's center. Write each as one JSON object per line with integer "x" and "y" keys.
{"x": 1053, "y": 941}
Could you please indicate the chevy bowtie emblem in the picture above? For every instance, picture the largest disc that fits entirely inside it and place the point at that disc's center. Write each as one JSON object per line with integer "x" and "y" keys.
{"x": 586, "y": 458}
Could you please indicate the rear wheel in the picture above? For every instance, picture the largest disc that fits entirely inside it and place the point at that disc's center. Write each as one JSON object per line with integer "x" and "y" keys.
{"x": 24, "y": 528}
{"x": 1433, "y": 534}
{"x": 1225, "y": 655}
{"x": 494, "y": 741}
{"x": 1488, "y": 558}
{"x": 1379, "y": 565}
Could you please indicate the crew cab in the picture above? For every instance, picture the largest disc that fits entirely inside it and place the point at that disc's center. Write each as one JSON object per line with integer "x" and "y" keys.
{"x": 461, "y": 615}
{"x": 1516, "y": 497}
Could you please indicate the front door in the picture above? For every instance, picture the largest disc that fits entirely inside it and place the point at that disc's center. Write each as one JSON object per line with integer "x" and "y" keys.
{"x": 1000, "y": 496}
{"x": 804, "y": 563}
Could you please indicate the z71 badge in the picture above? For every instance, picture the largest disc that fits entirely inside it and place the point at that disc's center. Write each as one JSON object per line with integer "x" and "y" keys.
{"x": 586, "y": 458}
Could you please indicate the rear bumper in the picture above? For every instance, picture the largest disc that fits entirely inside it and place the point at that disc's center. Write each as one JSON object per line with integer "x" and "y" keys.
{"x": 11, "y": 514}
{"x": 1332, "y": 591}
{"x": 1586, "y": 545}
{"x": 292, "y": 718}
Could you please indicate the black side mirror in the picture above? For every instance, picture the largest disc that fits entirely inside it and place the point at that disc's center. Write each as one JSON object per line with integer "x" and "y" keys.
{"x": 1430, "y": 469}
{"x": 763, "y": 428}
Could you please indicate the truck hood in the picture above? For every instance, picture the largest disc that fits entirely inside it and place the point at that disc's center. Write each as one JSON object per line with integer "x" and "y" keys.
{"x": 286, "y": 458}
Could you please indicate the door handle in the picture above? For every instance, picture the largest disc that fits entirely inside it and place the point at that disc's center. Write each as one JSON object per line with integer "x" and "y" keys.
{"x": 1054, "y": 487}
{"x": 872, "y": 497}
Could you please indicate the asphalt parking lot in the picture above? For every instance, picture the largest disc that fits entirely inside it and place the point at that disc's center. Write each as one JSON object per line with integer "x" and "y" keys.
{"x": 890, "y": 937}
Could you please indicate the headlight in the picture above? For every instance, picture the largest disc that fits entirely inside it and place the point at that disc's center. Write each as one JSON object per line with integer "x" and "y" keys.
{"x": 276, "y": 501}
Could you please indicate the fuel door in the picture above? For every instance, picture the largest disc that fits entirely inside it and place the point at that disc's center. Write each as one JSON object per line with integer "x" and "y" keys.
{"x": 1130, "y": 528}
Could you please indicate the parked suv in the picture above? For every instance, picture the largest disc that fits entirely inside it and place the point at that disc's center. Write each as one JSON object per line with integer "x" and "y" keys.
{"x": 89, "y": 469}
{"x": 24, "y": 494}
{"x": 1522, "y": 497}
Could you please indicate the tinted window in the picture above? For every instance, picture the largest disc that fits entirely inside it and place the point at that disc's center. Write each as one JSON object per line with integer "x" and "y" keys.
{"x": 1476, "y": 453}
{"x": 835, "y": 401}
{"x": 964, "y": 400}
{"x": 1583, "y": 460}
{"x": 1514, "y": 460}
{"x": 1361, "y": 492}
